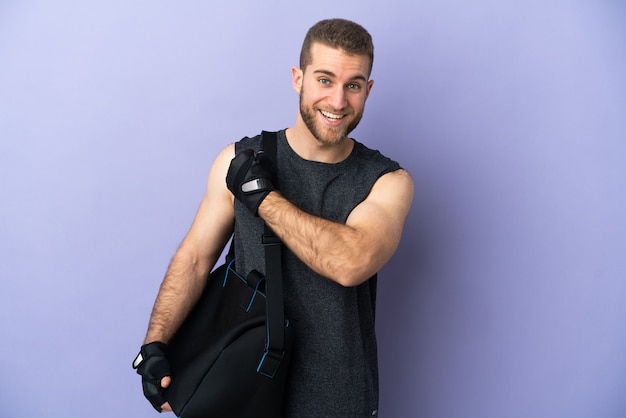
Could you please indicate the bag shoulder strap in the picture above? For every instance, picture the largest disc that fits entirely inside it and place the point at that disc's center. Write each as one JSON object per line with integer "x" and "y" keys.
{"x": 275, "y": 320}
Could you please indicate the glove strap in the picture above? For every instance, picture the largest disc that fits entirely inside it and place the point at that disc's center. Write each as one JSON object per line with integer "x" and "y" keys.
{"x": 149, "y": 350}
{"x": 256, "y": 185}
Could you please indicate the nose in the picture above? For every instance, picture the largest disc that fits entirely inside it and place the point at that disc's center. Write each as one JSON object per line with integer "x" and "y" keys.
{"x": 338, "y": 98}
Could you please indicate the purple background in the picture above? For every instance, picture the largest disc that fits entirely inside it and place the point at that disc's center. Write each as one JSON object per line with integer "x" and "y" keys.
{"x": 507, "y": 297}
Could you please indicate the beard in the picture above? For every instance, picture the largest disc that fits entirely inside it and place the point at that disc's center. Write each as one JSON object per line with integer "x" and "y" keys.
{"x": 326, "y": 135}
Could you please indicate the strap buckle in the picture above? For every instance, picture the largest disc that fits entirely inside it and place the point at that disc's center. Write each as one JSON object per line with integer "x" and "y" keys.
{"x": 268, "y": 366}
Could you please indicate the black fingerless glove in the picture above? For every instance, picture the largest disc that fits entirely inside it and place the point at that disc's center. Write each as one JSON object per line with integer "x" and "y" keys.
{"x": 152, "y": 364}
{"x": 249, "y": 178}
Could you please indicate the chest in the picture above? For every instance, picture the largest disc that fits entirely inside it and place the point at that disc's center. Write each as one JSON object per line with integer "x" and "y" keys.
{"x": 327, "y": 190}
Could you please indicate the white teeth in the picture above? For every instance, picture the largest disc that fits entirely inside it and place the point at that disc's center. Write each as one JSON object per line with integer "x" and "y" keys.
{"x": 330, "y": 115}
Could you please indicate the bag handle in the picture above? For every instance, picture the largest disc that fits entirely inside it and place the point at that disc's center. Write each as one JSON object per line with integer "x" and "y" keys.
{"x": 275, "y": 315}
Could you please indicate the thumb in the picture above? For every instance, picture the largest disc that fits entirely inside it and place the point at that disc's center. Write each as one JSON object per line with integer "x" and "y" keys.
{"x": 165, "y": 382}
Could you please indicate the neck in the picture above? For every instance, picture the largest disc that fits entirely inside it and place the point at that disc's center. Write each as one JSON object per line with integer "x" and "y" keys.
{"x": 309, "y": 148}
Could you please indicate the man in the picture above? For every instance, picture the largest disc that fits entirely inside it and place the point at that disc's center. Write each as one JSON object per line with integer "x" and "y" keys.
{"x": 340, "y": 211}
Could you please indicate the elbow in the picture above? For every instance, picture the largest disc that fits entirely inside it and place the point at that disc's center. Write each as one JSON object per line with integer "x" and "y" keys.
{"x": 359, "y": 268}
{"x": 350, "y": 282}
{"x": 352, "y": 276}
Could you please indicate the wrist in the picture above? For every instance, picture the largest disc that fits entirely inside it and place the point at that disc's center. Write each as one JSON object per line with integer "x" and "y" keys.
{"x": 266, "y": 203}
{"x": 154, "y": 348}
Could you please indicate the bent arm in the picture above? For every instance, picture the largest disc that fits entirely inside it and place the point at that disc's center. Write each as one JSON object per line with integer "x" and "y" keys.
{"x": 197, "y": 254}
{"x": 347, "y": 254}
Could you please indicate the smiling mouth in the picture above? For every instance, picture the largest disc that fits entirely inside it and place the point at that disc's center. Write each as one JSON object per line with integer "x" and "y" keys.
{"x": 331, "y": 116}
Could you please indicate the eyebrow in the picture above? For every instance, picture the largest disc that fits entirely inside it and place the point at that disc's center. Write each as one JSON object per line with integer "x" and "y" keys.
{"x": 331, "y": 74}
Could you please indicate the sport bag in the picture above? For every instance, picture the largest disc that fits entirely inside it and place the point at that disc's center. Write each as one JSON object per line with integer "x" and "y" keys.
{"x": 229, "y": 359}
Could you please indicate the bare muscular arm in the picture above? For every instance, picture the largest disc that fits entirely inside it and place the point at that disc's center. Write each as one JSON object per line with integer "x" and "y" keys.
{"x": 348, "y": 254}
{"x": 196, "y": 256}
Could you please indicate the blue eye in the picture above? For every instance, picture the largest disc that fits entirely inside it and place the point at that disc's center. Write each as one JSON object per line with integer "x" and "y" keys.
{"x": 324, "y": 81}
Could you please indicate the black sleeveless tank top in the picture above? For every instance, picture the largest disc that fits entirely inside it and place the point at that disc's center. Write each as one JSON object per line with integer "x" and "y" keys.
{"x": 334, "y": 371}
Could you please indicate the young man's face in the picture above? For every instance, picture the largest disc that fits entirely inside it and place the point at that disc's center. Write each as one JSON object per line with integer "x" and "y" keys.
{"x": 333, "y": 89}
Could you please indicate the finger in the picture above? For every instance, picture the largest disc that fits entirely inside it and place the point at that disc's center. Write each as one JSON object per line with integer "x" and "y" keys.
{"x": 166, "y": 407}
{"x": 165, "y": 382}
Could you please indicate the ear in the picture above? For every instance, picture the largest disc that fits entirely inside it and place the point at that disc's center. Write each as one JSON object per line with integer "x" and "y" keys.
{"x": 370, "y": 84}
{"x": 296, "y": 79}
